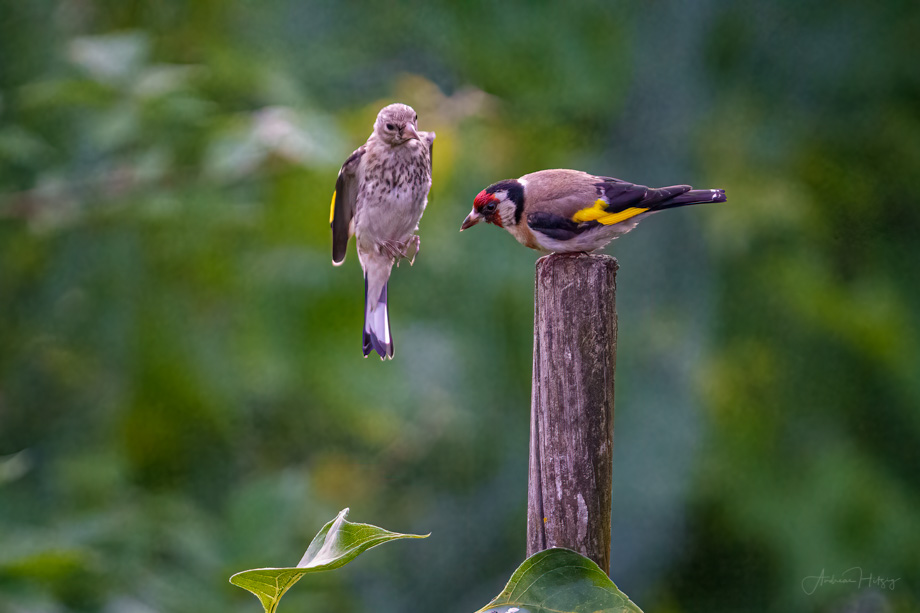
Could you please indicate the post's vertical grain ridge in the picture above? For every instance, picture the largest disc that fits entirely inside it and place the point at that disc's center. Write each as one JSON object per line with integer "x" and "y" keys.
{"x": 571, "y": 436}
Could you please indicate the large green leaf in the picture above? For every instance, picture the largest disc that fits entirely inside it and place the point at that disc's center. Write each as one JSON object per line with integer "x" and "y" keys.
{"x": 336, "y": 544}
{"x": 560, "y": 581}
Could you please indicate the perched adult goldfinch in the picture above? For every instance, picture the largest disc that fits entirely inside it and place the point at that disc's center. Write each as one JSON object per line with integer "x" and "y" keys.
{"x": 571, "y": 211}
{"x": 380, "y": 195}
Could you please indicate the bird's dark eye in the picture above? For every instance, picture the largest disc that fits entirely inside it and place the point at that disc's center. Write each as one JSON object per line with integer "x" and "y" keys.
{"x": 489, "y": 208}
{"x": 416, "y": 118}
{"x": 390, "y": 126}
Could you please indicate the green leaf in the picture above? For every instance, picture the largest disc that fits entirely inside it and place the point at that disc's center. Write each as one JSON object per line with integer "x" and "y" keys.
{"x": 336, "y": 544}
{"x": 560, "y": 580}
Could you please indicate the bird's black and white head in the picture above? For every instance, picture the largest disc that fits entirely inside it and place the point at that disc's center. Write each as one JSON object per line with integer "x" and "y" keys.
{"x": 396, "y": 124}
{"x": 501, "y": 204}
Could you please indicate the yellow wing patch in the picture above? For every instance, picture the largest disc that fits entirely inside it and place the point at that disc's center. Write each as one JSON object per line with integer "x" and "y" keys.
{"x": 598, "y": 212}
{"x": 332, "y": 208}
{"x": 609, "y": 220}
{"x": 592, "y": 212}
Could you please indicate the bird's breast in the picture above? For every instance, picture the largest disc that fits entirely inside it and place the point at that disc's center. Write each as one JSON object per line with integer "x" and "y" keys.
{"x": 392, "y": 194}
{"x": 524, "y": 235}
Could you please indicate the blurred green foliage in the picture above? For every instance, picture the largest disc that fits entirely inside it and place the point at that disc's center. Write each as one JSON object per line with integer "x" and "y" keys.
{"x": 181, "y": 389}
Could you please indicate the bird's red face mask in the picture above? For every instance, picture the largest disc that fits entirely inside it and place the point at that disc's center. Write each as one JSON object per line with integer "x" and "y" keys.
{"x": 485, "y": 208}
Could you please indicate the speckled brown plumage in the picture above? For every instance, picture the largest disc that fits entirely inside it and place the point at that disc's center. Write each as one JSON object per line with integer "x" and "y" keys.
{"x": 381, "y": 194}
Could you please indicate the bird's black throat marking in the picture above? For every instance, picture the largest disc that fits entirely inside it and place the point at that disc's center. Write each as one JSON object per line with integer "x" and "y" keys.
{"x": 515, "y": 194}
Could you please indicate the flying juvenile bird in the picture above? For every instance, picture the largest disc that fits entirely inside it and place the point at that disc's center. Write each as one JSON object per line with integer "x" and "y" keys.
{"x": 571, "y": 211}
{"x": 380, "y": 195}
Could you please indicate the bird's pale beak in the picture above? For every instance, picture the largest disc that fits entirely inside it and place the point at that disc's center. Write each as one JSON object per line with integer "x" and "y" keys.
{"x": 409, "y": 132}
{"x": 471, "y": 220}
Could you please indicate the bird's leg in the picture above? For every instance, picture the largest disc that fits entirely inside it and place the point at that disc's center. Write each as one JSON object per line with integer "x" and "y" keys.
{"x": 413, "y": 243}
{"x": 392, "y": 249}
{"x": 397, "y": 250}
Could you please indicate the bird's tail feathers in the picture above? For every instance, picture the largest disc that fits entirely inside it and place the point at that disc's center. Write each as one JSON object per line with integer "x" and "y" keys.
{"x": 376, "y": 335}
{"x": 693, "y": 196}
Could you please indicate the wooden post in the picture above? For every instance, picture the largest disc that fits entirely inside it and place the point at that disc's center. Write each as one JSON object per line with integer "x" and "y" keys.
{"x": 571, "y": 419}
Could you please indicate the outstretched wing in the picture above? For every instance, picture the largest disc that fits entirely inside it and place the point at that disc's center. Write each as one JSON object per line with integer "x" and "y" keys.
{"x": 342, "y": 213}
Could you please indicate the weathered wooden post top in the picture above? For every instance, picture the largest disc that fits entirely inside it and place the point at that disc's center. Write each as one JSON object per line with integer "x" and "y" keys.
{"x": 571, "y": 423}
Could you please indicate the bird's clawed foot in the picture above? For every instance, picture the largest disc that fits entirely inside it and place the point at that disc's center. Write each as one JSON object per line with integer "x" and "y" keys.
{"x": 414, "y": 243}
{"x": 407, "y": 249}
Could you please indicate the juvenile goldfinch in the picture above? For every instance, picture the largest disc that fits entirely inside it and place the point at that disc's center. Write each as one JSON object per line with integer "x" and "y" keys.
{"x": 379, "y": 197}
{"x": 571, "y": 211}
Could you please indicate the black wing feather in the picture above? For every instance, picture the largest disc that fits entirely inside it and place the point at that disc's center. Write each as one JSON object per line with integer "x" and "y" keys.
{"x": 343, "y": 212}
{"x": 556, "y": 226}
{"x": 623, "y": 195}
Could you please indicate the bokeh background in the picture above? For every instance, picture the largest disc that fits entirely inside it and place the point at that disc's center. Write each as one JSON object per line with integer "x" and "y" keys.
{"x": 182, "y": 393}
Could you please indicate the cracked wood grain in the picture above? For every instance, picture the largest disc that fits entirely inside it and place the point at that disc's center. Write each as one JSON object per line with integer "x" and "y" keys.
{"x": 571, "y": 423}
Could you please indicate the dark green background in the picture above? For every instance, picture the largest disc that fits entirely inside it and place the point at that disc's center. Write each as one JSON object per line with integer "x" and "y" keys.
{"x": 182, "y": 393}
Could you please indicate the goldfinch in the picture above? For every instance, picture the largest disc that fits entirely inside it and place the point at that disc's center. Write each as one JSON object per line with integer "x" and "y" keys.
{"x": 570, "y": 211}
{"x": 380, "y": 195}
